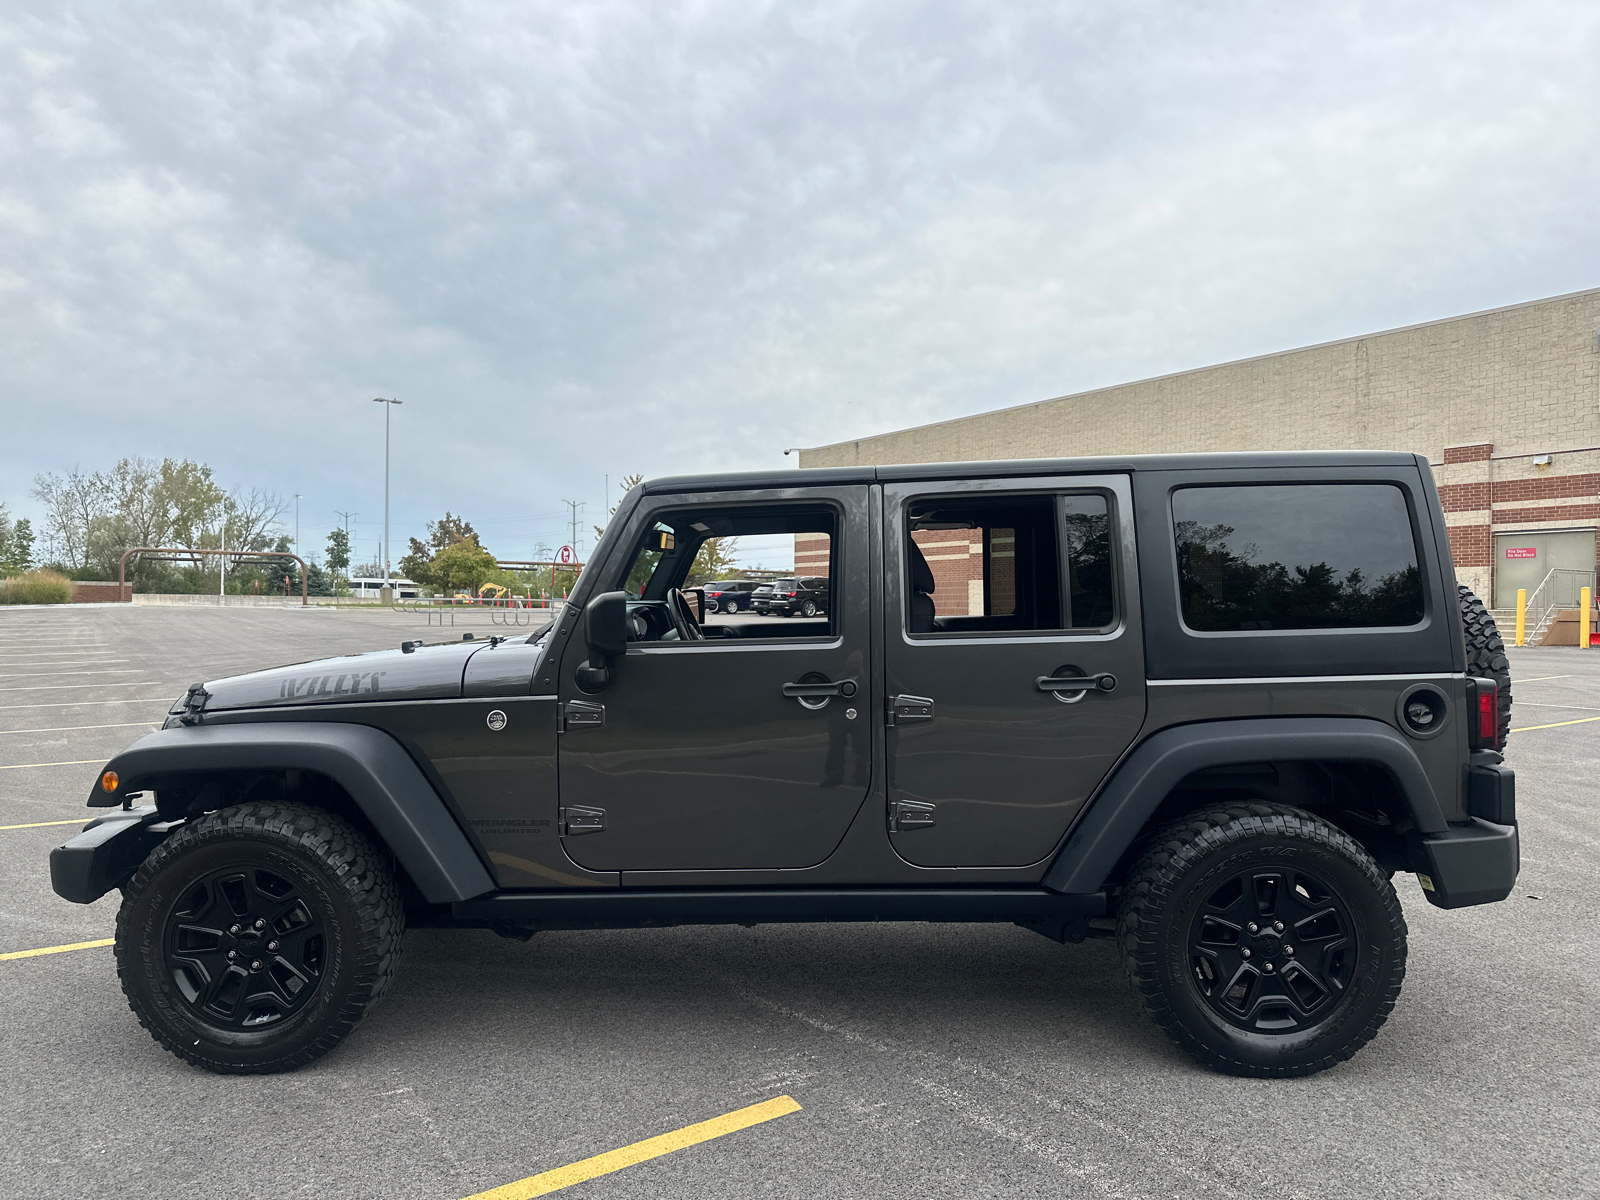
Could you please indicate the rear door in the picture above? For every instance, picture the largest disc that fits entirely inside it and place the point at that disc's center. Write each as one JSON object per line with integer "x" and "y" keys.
{"x": 989, "y": 761}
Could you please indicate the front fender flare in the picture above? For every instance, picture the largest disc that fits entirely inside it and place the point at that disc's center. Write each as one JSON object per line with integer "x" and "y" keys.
{"x": 1147, "y": 776}
{"x": 388, "y": 787}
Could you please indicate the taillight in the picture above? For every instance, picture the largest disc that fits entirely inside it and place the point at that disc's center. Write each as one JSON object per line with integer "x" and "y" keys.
{"x": 1483, "y": 696}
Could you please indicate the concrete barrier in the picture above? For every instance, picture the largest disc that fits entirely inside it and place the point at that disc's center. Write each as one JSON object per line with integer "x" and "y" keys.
{"x": 214, "y": 601}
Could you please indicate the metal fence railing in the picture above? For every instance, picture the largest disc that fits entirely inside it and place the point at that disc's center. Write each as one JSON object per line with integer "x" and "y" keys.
{"x": 1561, "y": 588}
{"x": 516, "y": 612}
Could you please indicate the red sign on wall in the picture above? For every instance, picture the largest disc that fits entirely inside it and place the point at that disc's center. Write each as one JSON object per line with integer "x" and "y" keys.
{"x": 1522, "y": 552}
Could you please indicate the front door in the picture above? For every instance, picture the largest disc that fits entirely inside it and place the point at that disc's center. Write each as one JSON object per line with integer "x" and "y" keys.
{"x": 715, "y": 750}
{"x": 994, "y": 597}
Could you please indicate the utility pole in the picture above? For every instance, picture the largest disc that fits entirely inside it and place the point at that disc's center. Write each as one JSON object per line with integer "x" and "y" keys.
{"x": 387, "y": 404}
{"x": 575, "y": 506}
{"x": 297, "y": 524}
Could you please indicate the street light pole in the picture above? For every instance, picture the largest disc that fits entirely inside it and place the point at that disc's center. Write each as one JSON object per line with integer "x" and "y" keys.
{"x": 386, "y": 404}
{"x": 297, "y": 526}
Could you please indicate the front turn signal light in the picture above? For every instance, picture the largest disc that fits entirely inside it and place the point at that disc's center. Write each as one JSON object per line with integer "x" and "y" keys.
{"x": 109, "y": 781}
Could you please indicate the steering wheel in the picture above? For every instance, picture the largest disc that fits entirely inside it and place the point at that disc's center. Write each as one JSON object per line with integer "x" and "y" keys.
{"x": 683, "y": 617}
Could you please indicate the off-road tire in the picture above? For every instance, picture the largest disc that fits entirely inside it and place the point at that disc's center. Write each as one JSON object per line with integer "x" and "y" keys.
{"x": 1164, "y": 895}
{"x": 343, "y": 878}
{"x": 1486, "y": 652}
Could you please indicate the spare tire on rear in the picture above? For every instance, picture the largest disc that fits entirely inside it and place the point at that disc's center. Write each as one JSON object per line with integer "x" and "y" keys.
{"x": 1486, "y": 652}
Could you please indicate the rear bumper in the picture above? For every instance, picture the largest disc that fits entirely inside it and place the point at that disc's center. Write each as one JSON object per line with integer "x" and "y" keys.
{"x": 1474, "y": 863}
{"x": 105, "y": 854}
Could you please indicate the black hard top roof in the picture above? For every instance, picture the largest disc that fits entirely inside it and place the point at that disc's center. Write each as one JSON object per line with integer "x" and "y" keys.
{"x": 1022, "y": 467}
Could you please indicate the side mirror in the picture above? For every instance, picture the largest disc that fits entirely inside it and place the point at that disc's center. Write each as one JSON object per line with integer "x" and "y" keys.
{"x": 605, "y": 632}
{"x": 605, "y": 624}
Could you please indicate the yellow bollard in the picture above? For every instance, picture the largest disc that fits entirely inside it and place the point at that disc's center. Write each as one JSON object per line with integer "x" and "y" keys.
{"x": 1585, "y": 598}
{"x": 1522, "y": 616}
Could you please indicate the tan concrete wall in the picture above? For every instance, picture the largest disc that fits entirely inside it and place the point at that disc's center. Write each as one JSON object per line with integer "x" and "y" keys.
{"x": 1524, "y": 378}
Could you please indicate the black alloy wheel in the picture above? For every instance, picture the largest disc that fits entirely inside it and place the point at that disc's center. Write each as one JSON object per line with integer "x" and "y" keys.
{"x": 1262, "y": 939}
{"x": 1272, "y": 950}
{"x": 255, "y": 938}
{"x": 243, "y": 947}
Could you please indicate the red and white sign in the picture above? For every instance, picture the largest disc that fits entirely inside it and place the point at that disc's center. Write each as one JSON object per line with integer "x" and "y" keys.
{"x": 1522, "y": 552}
{"x": 565, "y": 556}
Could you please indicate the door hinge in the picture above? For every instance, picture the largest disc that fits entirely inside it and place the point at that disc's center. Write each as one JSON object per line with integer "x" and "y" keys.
{"x": 908, "y": 710}
{"x": 905, "y": 815}
{"x": 581, "y": 714}
{"x": 575, "y": 819}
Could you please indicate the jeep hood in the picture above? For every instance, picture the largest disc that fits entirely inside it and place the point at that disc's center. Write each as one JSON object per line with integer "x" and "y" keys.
{"x": 421, "y": 673}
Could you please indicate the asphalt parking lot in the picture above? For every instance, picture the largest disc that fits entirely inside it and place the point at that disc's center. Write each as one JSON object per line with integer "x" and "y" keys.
{"x": 923, "y": 1060}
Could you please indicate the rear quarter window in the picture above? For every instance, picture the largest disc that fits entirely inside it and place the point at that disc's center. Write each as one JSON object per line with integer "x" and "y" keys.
{"x": 1296, "y": 556}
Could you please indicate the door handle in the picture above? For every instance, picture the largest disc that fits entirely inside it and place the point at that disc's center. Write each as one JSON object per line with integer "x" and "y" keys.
{"x": 843, "y": 687}
{"x": 1104, "y": 682}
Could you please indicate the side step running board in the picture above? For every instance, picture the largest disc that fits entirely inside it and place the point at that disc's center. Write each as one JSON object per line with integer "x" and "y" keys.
{"x": 751, "y": 906}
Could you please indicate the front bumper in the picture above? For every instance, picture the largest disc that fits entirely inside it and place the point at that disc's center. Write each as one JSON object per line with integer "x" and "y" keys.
{"x": 106, "y": 854}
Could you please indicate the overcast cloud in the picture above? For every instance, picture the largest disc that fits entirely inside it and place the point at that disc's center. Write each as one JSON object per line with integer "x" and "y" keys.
{"x": 588, "y": 238}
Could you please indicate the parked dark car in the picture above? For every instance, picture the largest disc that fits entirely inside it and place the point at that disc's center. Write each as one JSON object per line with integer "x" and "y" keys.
{"x": 766, "y": 595}
{"x": 729, "y": 595}
{"x": 806, "y": 597}
{"x": 1210, "y": 707}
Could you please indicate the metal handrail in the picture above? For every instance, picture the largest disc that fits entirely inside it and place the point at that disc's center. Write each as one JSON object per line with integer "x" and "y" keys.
{"x": 1561, "y": 588}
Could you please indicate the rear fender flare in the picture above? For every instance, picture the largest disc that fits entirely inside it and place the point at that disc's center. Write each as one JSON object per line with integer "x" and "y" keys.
{"x": 382, "y": 779}
{"x": 1147, "y": 776}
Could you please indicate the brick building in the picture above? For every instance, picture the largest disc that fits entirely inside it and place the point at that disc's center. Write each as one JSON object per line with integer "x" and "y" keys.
{"x": 1504, "y": 403}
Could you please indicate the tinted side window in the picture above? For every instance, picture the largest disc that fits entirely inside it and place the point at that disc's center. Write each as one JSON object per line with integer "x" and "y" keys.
{"x": 978, "y": 564}
{"x": 1296, "y": 556}
{"x": 1086, "y": 526}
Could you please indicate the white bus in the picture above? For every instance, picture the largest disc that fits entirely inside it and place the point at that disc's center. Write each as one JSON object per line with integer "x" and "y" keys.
{"x": 367, "y": 588}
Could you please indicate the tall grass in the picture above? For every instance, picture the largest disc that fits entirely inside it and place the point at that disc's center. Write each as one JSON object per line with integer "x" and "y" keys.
{"x": 36, "y": 587}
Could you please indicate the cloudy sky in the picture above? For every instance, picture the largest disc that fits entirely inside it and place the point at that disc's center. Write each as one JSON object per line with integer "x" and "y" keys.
{"x": 589, "y": 238}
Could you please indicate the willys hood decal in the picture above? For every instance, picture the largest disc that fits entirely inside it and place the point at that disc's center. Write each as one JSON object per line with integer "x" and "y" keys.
{"x": 423, "y": 673}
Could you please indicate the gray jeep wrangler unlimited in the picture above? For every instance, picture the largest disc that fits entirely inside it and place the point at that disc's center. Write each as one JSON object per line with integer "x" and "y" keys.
{"x": 1205, "y": 705}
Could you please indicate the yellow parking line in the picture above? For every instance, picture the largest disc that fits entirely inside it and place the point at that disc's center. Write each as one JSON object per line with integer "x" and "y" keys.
{"x": 42, "y": 824}
{"x": 77, "y": 762}
{"x": 56, "y": 949}
{"x": 614, "y": 1160}
{"x": 1555, "y": 724}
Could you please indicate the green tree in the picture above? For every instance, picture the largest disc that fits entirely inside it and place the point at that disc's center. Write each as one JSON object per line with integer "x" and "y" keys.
{"x": 417, "y": 565}
{"x": 715, "y": 561}
{"x": 18, "y": 552}
{"x": 464, "y": 564}
{"x": 16, "y": 544}
{"x": 338, "y": 551}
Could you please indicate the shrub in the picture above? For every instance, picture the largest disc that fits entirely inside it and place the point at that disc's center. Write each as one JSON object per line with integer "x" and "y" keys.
{"x": 36, "y": 587}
